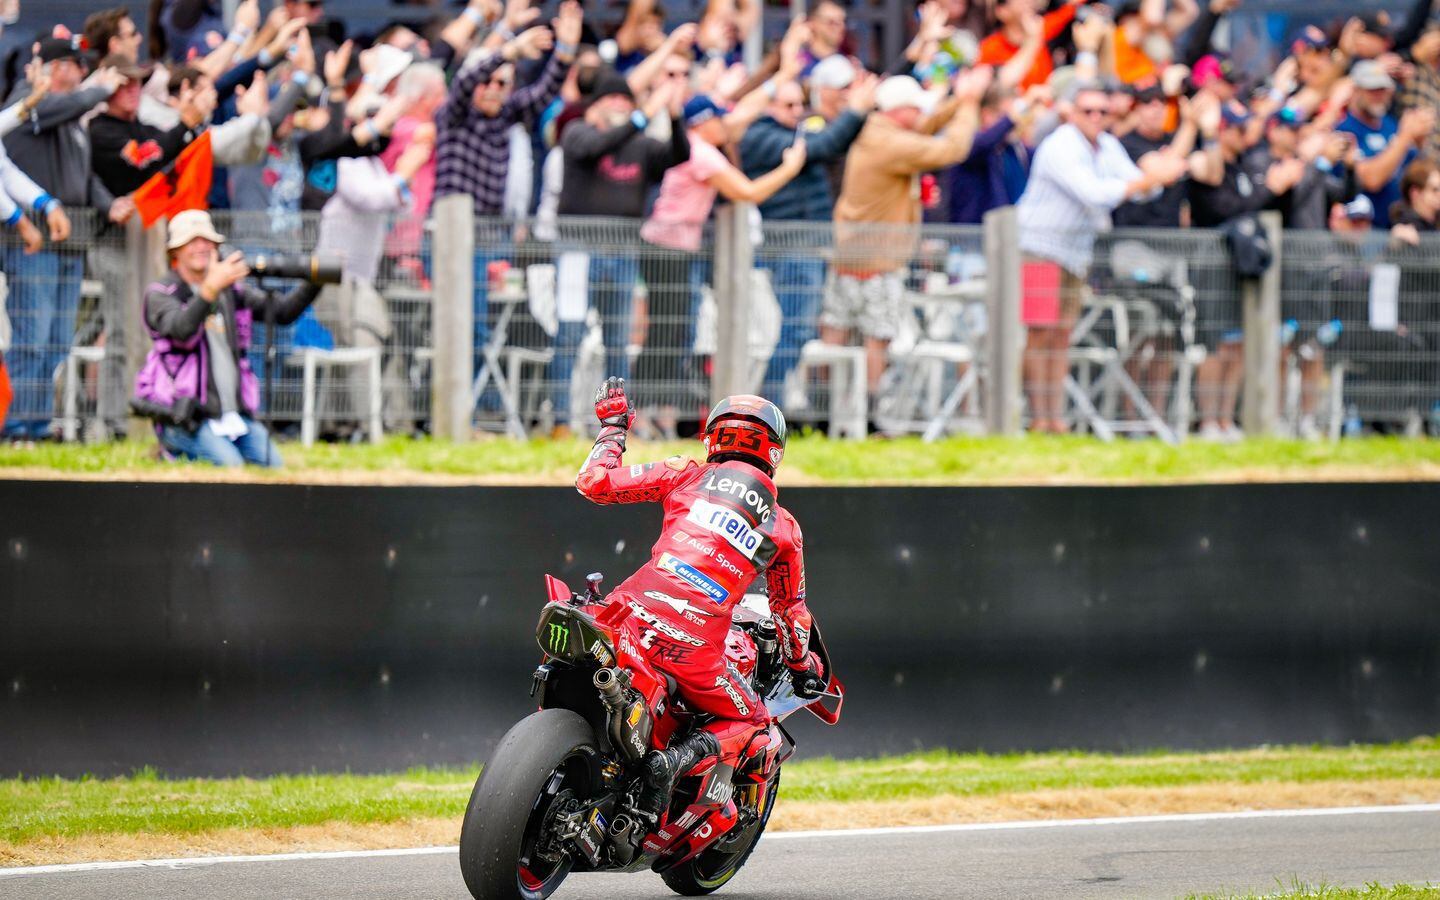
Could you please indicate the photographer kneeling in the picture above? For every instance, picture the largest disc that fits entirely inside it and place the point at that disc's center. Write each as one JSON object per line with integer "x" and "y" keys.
{"x": 196, "y": 383}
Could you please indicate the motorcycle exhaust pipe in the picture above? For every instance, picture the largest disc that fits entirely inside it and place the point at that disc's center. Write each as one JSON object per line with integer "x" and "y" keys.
{"x": 607, "y": 681}
{"x": 612, "y": 695}
{"x": 622, "y": 848}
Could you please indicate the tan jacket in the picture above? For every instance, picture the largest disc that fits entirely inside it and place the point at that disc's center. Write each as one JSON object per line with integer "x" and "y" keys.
{"x": 878, "y": 213}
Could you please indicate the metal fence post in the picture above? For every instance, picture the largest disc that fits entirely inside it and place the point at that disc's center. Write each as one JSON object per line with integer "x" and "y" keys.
{"x": 144, "y": 255}
{"x": 734, "y": 258}
{"x": 1260, "y": 408}
{"x": 452, "y": 251}
{"x": 1006, "y": 335}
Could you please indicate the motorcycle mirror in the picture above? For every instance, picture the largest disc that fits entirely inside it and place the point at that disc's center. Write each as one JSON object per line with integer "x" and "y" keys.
{"x": 592, "y": 585}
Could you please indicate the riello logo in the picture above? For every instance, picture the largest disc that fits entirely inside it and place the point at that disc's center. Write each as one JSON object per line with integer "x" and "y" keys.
{"x": 559, "y": 638}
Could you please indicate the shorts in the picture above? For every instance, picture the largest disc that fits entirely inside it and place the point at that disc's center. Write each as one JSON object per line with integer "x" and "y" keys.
{"x": 871, "y": 305}
{"x": 1072, "y": 289}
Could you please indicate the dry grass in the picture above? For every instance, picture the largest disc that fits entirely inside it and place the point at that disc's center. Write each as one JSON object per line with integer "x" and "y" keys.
{"x": 789, "y": 816}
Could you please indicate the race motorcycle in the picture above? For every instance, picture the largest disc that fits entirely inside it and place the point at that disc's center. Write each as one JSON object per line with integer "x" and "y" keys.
{"x": 558, "y": 794}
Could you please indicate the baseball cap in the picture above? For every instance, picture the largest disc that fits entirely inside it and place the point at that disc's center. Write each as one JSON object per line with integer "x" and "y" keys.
{"x": 1360, "y": 208}
{"x": 701, "y": 109}
{"x": 53, "y": 48}
{"x": 835, "y": 72}
{"x": 189, "y": 225}
{"x": 610, "y": 82}
{"x": 1377, "y": 23}
{"x": 1147, "y": 90}
{"x": 1369, "y": 75}
{"x": 1310, "y": 38}
{"x": 389, "y": 62}
{"x": 1211, "y": 66}
{"x": 125, "y": 65}
{"x": 1288, "y": 116}
{"x": 1234, "y": 115}
{"x": 899, "y": 92}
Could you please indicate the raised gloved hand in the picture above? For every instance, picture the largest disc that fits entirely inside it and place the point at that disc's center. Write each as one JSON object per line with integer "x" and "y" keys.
{"x": 808, "y": 677}
{"x": 612, "y": 407}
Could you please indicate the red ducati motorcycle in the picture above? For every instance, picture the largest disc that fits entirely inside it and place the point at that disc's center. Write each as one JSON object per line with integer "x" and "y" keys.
{"x": 554, "y": 797}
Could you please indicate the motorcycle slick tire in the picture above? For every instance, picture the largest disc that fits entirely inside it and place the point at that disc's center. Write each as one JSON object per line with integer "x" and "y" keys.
{"x": 504, "y": 800}
{"x": 713, "y": 868}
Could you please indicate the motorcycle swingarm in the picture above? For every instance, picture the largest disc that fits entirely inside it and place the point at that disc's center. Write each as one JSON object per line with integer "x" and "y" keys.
{"x": 584, "y": 830}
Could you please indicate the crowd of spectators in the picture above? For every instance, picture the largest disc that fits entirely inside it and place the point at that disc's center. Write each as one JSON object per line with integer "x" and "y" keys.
{"x": 1080, "y": 113}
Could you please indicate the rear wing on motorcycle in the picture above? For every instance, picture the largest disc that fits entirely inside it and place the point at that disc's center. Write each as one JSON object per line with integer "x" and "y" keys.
{"x": 834, "y": 689}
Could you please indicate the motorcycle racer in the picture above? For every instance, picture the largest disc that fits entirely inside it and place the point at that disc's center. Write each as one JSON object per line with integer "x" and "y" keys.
{"x": 722, "y": 528}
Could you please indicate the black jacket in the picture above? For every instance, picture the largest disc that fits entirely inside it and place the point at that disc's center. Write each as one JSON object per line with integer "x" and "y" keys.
{"x": 124, "y": 154}
{"x": 609, "y": 173}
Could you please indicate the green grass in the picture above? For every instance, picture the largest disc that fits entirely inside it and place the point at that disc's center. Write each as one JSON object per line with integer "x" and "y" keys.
{"x": 34, "y": 808}
{"x": 1299, "y": 891}
{"x": 815, "y": 459}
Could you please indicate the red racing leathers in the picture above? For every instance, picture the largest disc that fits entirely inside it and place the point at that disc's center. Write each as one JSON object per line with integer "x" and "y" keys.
{"x": 722, "y": 528}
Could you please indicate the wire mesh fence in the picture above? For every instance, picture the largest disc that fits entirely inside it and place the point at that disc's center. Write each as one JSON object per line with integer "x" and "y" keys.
{"x": 1158, "y": 343}
{"x": 64, "y": 344}
{"x": 870, "y": 327}
{"x": 841, "y": 342}
{"x": 1361, "y": 334}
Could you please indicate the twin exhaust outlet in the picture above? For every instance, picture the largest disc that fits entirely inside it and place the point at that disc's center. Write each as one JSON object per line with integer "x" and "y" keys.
{"x": 629, "y": 721}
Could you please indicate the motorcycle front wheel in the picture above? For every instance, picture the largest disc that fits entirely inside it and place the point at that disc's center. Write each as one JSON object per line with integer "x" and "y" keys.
{"x": 717, "y": 864}
{"x": 542, "y": 759}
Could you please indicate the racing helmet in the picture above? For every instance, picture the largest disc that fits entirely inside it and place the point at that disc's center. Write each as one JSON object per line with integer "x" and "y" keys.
{"x": 748, "y": 428}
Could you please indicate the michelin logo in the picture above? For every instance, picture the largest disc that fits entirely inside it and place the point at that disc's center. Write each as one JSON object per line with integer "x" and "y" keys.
{"x": 692, "y": 576}
{"x": 727, "y": 523}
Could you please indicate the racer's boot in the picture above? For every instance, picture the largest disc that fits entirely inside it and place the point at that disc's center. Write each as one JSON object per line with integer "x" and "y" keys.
{"x": 663, "y": 767}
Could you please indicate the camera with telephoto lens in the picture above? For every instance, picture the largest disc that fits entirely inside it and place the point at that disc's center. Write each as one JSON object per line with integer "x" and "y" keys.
{"x": 313, "y": 268}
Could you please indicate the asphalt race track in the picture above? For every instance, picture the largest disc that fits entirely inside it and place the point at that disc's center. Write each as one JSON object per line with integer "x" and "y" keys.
{"x": 1157, "y": 857}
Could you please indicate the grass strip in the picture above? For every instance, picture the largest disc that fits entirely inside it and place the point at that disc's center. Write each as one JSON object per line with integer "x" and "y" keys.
{"x": 147, "y": 802}
{"x": 810, "y": 459}
{"x": 1299, "y": 891}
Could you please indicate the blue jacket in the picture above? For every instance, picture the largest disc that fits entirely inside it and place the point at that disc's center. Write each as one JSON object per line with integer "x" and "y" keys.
{"x": 977, "y": 185}
{"x": 807, "y": 197}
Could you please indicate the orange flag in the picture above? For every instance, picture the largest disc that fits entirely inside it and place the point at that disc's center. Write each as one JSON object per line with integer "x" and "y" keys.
{"x": 185, "y": 184}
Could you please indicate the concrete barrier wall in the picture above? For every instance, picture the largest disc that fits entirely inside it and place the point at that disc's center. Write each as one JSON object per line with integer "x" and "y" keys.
{"x": 220, "y": 629}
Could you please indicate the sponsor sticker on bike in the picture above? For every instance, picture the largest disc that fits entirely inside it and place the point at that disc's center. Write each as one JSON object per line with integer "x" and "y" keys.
{"x": 687, "y": 573}
{"x": 558, "y": 638}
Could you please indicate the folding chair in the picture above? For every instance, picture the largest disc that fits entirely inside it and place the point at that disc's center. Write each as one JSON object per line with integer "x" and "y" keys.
{"x": 1149, "y": 300}
{"x": 938, "y": 335}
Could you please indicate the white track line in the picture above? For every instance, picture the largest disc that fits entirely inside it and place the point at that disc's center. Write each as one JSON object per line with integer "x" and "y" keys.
{"x": 190, "y": 862}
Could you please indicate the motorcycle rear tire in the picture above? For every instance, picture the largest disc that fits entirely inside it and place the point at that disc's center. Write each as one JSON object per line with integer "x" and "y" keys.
{"x": 711, "y": 870}
{"x": 503, "y": 801}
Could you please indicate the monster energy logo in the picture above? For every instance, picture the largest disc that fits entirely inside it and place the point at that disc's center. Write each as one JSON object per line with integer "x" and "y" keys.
{"x": 559, "y": 638}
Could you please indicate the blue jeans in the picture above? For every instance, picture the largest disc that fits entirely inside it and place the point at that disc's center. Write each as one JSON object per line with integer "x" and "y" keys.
{"x": 799, "y": 283}
{"x": 44, "y": 296}
{"x": 611, "y": 286}
{"x": 254, "y": 446}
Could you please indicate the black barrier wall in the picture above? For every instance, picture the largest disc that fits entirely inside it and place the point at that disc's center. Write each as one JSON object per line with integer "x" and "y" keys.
{"x": 221, "y": 629}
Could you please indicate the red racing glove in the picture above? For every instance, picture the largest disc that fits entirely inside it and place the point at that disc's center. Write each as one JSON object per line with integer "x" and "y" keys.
{"x": 612, "y": 407}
